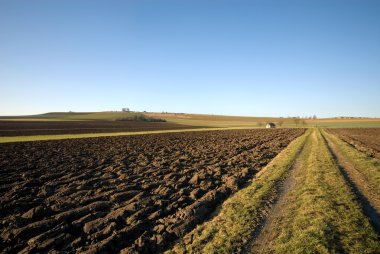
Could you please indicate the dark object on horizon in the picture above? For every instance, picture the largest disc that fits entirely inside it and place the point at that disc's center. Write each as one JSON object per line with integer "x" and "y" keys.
{"x": 140, "y": 117}
{"x": 270, "y": 126}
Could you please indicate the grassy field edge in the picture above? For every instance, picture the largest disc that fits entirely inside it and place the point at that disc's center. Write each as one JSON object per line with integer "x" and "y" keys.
{"x": 240, "y": 214}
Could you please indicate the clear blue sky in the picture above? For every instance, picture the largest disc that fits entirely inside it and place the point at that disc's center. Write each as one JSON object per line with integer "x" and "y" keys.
{"x": 257, "y": 58}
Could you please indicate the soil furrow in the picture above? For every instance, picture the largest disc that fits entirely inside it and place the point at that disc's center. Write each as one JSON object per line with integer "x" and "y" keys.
{"x": 369, "y": 201}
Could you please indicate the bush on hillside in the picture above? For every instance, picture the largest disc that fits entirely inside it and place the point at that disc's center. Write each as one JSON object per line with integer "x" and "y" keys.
{"x": 140, "y": 117}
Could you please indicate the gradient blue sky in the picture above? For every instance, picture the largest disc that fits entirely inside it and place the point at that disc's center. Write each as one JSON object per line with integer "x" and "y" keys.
{"x": 257, "y": 58}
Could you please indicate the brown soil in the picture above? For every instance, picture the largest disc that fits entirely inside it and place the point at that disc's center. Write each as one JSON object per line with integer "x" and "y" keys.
{"x": 28, "y": 128}
{"x": 365, "y": 140}
{"x": 129, "y": 194}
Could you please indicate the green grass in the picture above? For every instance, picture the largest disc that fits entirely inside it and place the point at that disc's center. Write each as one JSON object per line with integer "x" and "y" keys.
{"x": 240, "y": 214}
{"x": 322, "y": 214}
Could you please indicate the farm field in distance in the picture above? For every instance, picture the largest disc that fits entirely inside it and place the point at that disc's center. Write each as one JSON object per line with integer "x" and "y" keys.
{"x": 30, "y": 128}
{"x": 259, "y": 122}
{"x": 319, "y": 195}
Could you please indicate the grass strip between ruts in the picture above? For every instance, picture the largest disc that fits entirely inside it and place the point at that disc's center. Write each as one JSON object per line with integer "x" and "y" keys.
{"x": 322, "y": 214}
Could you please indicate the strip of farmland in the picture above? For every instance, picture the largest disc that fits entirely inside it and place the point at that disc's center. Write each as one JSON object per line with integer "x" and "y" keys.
{"x": 31, "y": 128}
{"x": 362, "y": 174}
{"x": 128, "y": 194}
{"x": 365, "y": 140}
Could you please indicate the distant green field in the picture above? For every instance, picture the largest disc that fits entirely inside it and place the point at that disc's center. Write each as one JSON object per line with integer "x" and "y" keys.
{"x": 257, "y": 122}
{"x": 206, "y": 120}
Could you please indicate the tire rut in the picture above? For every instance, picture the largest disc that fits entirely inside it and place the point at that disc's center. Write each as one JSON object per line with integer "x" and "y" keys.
{"x": 369, "y": 202}
{"x": 263, "y": 233}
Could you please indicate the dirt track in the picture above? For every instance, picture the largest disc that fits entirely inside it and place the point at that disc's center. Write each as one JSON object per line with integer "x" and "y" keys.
{"x": 129, "y": 194}
{"x": 265, "y": 233}
{"x": 28, "y": 128}
{"x": 280, "y": 212}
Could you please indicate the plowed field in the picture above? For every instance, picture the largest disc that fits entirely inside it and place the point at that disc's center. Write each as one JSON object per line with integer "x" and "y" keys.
{"x": 365, "y": 140}
{"x": 129, "y": 194}
{"x": 28, "y": 128}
